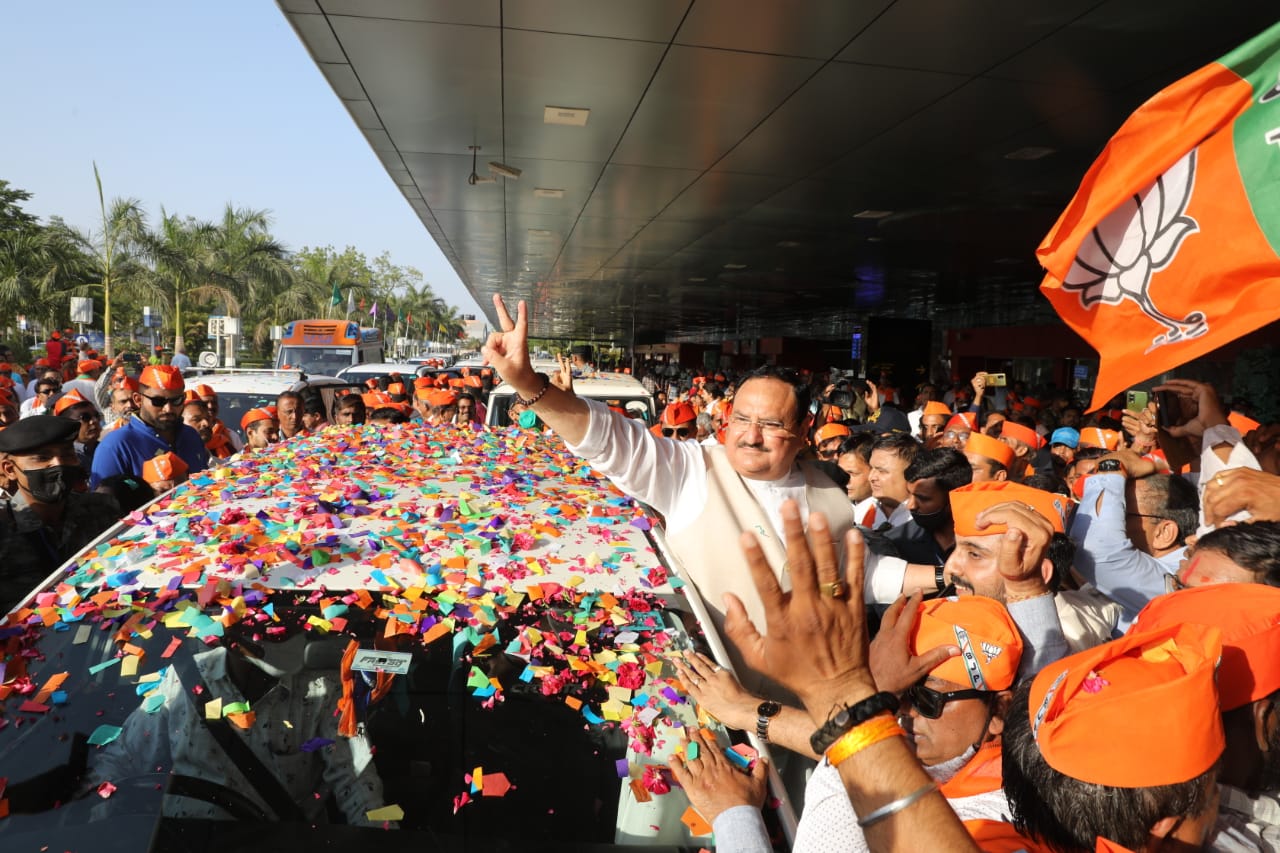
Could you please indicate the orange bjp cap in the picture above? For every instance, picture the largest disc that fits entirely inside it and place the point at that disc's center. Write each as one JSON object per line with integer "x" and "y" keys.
{"x": 1136, "y": 712}
{"x": 439, "y": 398}
{"x": 968, "y": 501}
{"x": 993, "y": 448}
{"x": 205, "y": 391}
{"x": 989, "y": 642}
{"x": 87, "y": 365}
{"x": 1026, "y": 435}
{"x": 1248, "y": 615}
{"x": 423, "y": 382}
{"x": 934, "y": 407}
{"x": 826, "y": 432}
{"x": 163, "y": 376}
{"x": 962, "y": 421}
{"x": 1107, "y": 439}
{"x": 252, "y": 416}
{"x": 68, "y": 400}
{"x": 679, "y": 412}
{"x": 164, "y": 466}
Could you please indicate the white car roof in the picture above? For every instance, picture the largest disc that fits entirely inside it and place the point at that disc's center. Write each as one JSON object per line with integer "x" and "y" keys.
{"x": 260, "y": 381}
{"x": 380, "y": 368}
{"x": 600, "y": 385}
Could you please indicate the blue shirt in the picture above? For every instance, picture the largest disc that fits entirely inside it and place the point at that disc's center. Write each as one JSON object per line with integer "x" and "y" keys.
{"x": 1108, "y": 559}
{"x": 127, "y": 449}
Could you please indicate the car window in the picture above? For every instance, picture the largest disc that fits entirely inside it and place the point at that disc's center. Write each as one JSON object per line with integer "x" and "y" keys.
{"x": 318, "y": 361}
{"x": 518, "y": 595}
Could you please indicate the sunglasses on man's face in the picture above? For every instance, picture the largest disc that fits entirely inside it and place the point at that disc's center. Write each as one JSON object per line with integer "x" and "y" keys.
{"x": 678, "y": 432}
{"x": 161, "y": 402}
{"x": 930, "y": 703}
{"x": 86, "y": 417}
{"x": 48, "y": 390}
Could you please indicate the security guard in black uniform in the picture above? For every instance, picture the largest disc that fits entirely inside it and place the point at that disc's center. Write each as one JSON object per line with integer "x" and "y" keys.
{"x": 46, "y": 521}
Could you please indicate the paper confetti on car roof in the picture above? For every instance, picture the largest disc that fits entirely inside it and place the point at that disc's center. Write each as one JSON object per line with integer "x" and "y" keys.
{"x": 433, "y": 532}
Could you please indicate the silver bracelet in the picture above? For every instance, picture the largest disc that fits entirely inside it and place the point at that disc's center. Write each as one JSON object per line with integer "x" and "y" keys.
{"x": 897, "y": 805}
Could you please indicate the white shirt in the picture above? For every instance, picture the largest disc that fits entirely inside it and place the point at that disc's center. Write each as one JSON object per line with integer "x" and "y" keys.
{"x": 1246, "y": 823}
{"x": 35, "y": 406}
{"x": 671, "y": 476}
{"x": 87, "y": 388}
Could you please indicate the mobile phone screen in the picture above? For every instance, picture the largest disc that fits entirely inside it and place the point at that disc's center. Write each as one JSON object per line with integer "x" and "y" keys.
{"x": 1168, "y": 409}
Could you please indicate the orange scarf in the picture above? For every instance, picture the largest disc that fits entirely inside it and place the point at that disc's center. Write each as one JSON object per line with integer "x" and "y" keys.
{"x": 980, "y": 775}
{"x": 220, "y": 443}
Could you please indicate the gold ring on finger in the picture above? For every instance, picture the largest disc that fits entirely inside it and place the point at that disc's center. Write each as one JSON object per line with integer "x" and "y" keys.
{"x": 835, "y": 589}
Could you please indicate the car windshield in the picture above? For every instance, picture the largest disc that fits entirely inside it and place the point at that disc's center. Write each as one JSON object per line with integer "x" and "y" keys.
{"x": 458, "y": 636}
{"x": 232, "y": 406}
{"x": 315, "y": 361}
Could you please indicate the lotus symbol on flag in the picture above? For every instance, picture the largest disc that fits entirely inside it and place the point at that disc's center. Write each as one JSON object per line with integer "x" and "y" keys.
{"x": 1134, "y": 242}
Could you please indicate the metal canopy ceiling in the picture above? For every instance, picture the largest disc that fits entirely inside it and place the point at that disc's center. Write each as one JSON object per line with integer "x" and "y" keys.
{"x": 715, "y": 189}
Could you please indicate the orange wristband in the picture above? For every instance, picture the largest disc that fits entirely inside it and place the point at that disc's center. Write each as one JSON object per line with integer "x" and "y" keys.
{"x": 860, "y": 737}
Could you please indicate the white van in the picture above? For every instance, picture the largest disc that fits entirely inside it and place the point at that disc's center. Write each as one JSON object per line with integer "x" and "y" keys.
{"x": 617, "y": 390}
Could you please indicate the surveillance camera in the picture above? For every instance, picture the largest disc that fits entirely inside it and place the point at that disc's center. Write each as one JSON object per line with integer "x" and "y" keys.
{"x": 504, "y": 170}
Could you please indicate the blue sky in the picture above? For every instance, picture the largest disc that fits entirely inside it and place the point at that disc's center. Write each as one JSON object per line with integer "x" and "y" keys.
{"x": 190, "y": 105}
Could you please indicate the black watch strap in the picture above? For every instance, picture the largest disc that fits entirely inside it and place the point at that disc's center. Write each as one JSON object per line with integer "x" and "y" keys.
{"x": 849, "y": 717}
{"x": 765, "y": 712}
{"x": 940, "y": 577}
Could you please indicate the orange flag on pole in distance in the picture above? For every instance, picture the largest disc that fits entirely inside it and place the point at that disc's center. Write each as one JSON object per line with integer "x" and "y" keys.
{"x": 1171, "y": 246}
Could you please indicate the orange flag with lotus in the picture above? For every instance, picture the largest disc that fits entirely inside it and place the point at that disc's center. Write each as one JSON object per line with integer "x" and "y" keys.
{"x": 1171, "y": 246}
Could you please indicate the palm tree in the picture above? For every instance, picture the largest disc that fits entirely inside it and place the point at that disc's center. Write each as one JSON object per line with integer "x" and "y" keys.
{"x": 181, "y": 254}
{"x": 115, "y": 267}
{"x": 40, "y": 268}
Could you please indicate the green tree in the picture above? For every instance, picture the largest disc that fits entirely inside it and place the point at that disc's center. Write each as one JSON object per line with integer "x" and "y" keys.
{"x": 114, "y": 264}
{"x": 12, "y": 216}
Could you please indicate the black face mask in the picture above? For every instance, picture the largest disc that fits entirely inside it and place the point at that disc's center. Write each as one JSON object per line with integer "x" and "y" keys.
{"x": 932, "y": 521}
{"x": 52, "y": 485}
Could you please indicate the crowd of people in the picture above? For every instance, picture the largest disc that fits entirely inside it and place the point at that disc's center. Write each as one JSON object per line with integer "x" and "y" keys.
{"x": 1076, "y": 616}
{"x": 981, "y": 617}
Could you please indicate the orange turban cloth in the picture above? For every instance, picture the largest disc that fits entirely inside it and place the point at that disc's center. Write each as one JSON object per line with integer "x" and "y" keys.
{"x": 990, "y": 645}
{"x": 826, "y": 432}
{"x": 1248, "y": 615}
{"x": 982, "y": 444}
{"x": 163, "y": 376}
{"x": 1136, "y": 712}
{"x": 968, "y": 501}
{"x": 166, "y": 466}
{"x": 1026, "y": 435}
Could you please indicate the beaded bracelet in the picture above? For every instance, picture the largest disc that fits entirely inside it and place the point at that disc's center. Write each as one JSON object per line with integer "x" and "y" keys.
{"x": 862, "y": 736}
{"x": 546, "y": 383}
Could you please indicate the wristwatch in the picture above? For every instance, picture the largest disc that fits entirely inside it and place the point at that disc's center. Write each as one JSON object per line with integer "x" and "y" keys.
{"x": 764, "y": 713}
{"x": 940, "y": 577}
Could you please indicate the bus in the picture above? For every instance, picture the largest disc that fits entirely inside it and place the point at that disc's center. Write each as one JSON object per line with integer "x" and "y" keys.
{"x": 323, "y": 347}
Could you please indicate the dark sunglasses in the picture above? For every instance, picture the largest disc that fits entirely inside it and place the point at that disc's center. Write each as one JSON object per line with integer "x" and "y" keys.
{"x": 161, "y": 402}
{"x": 931, "y": 703}
{"x": 86, "y": 417}
{"x": 49, "y": 390}
{"x": 679, "y": 432}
